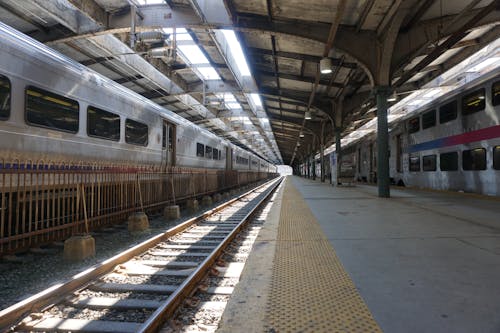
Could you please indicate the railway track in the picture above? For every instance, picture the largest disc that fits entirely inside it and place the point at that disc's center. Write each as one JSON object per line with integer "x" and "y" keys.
{"x": 141, "y": 288}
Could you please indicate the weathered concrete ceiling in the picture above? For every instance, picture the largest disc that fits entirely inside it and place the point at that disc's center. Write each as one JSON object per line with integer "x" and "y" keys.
{"x": 398, "y": 43}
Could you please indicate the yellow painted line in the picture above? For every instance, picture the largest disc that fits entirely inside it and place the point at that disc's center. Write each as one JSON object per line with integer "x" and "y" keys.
{"x": 310, "y": 290}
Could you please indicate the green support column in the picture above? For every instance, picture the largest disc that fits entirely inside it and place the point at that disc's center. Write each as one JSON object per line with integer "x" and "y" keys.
{"x": 322, "y": 152}
{"x": 308, "y": 166}
{"x": 313, "y": 167}
{"x": 382, "y": 143}
{"x": 338, "y": 152}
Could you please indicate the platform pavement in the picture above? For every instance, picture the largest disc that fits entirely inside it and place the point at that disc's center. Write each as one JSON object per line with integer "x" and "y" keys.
{"x": 423, "y": 261}
{"x": 293, "y": 281}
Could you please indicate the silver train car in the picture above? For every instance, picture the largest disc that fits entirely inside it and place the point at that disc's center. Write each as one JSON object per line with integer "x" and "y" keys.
{"x": 55, "y": 109}
{"x": 452, "y": 143}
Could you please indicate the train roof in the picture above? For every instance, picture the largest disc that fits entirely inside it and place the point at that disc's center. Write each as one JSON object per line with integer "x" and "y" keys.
{"x": 19, "y": 40}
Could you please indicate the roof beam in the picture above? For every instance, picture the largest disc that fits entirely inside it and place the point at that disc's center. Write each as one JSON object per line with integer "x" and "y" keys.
{"x": 426, "y": 33}
{"x": 452, "y": 61}
{"x": 72, "y": 15}
{"x": 422, "y": 9}
{"x": 294, "y": 77}
{"x": 449, "y": 42}
{"x": 341, "y": 5}
{"x": 92, "y": 10}
{"x": 213, "y": 86}
{"x": 129, "y": 79}
{"x": 152, "y": 94}
{"x": 300, "y": 56}
{"x": 294, "y": 111}
{"x": 364, "y": 14}
{"x": 297, "y": 95}
{"x": 19, "y": 13}
{"x": 295, "y": 124}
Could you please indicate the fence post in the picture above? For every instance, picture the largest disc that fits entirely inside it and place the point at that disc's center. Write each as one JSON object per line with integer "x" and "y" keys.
{"x": 138, "y": 185}
{"x": 84, "y": 202}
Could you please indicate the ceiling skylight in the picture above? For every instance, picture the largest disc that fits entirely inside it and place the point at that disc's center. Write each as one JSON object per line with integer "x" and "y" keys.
{"x": 233, "y": 105}
{"x": 237, "y": 52}
{"x": 227, "y": 97}
{"x": 177, "y": 30}
{"x": 256, "y": 100}
{"x": 193, "y": 54}
{"x": 208, "y": 73}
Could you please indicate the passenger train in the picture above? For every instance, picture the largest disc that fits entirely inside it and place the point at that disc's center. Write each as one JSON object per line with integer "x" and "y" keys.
{"x": 452, "y": 143}
{"x": 55, "y": 109}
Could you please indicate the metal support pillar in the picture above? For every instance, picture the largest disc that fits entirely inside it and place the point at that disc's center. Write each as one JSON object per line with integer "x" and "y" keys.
{"x": 322, "y": 152}
{"x": 313, "y": 158}
{"x": 338, "y": 152}
{"x": 382, "y": 142}
{"x": 313, "y": 167}
{"x": 308, "y": 167}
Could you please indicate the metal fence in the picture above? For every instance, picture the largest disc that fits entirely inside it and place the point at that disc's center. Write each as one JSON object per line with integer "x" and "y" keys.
{"x": 42, "y": 203}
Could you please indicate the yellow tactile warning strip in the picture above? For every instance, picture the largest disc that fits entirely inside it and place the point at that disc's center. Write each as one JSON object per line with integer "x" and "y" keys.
{"x": 310, "y": 290}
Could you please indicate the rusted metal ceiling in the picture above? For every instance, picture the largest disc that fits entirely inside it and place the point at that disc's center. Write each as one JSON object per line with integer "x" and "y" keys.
{"x": 398, "y": 43}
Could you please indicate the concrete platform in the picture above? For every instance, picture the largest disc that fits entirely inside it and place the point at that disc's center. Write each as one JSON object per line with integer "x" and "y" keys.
{"x": 422, "y": 261}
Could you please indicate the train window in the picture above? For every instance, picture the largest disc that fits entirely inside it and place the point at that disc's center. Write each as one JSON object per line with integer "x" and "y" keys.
{"x": 429, "y": 119}
{"x": 45, "y": 109}
{"x": 200, "y": 150}
{"x": 208, "y": 152}
{"x": 136, "y": 133}
{"x": 414, "y": 162}
{"x": 473, "y": 102}
{"x": 448, "y": 112}
{"x": 474, "y": 159}
{"x": 429, "y": 163}
{"x": 495, "y": 93}
{"x": 496, "y": 158}
{"x": 215, "y": 153}
{"x": 414, "y": 125}
{"x": 4, "y": 98}
{"x": 448, "y": 161}
{"x": 103, "y": 124}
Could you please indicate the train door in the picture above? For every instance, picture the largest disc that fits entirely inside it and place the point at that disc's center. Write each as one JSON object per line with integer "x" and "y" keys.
{"x": 399, "y": 153}
{"x": 229, "y": 158}
{"x": 168, "y": 143}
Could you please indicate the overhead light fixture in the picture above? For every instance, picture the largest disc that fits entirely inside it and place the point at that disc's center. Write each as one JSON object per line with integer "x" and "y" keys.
{"x": 301, "y": 135}
{"x": 308, "y": 115}
{"x": 392, "y": 98}
{"x": 325, "y": 66}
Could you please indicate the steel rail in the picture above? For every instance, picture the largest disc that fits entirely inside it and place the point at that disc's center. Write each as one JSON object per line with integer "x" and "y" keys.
{"x": 167, "y": 309}
{"x": 12, "y": 315}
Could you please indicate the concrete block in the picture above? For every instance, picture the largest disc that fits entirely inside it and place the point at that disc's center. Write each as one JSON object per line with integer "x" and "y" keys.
{"x": 192, "y": 205}
{"x": 79, "y": 247}
{"x": 206, "y": 201}
{"x": 138, "y": 222}
{"x": 217, "y": 197}
{"x": 172, "y": 212}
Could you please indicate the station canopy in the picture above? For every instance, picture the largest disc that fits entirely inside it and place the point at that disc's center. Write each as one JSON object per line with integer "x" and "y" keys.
{"x": 277, "y": 77}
